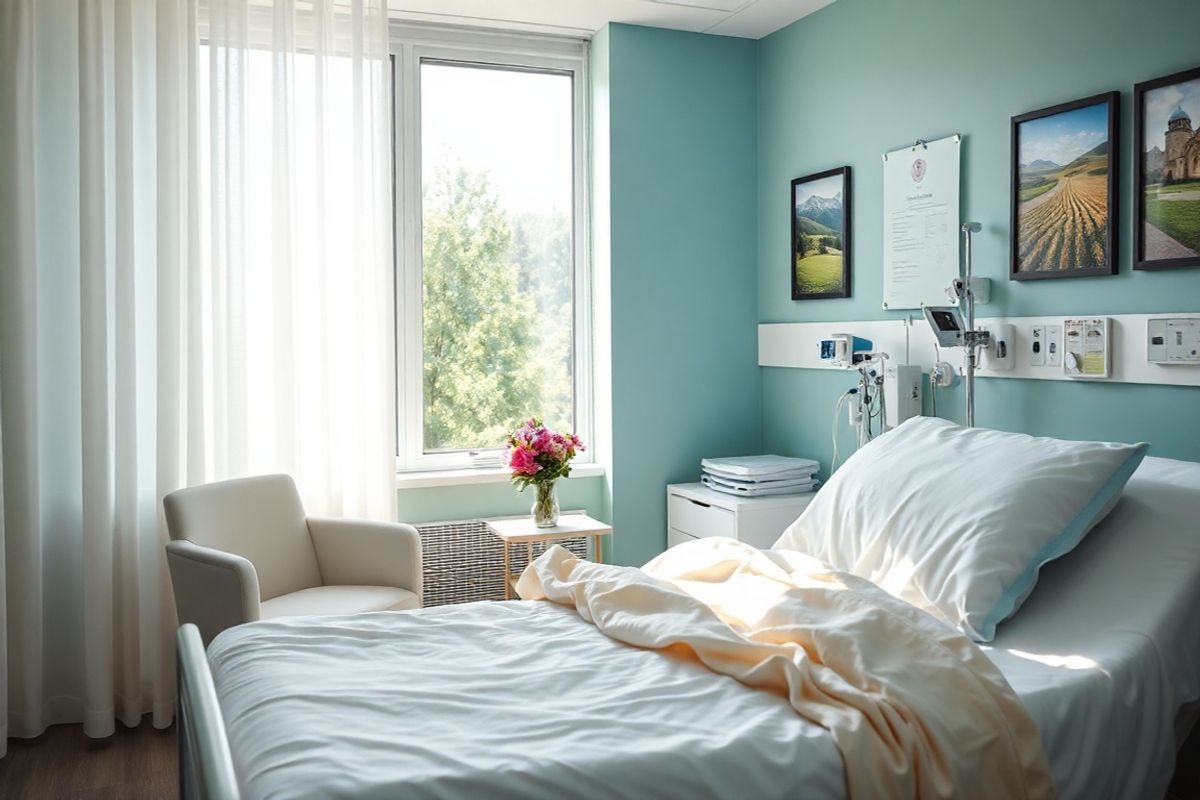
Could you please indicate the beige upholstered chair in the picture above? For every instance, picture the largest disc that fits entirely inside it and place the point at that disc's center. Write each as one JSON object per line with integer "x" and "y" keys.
{"x": 243, "y": 550}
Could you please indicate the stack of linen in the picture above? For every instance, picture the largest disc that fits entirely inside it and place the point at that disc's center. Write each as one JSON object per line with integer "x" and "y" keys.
{"x": 757, "y": 476}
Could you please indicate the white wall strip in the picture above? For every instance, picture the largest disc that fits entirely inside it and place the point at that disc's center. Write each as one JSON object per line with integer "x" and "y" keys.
{"x": 796, "y": 344}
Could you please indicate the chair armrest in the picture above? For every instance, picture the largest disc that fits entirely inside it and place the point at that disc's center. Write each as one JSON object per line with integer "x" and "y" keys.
{"x": 214, "y": 590}
{"x": 360, "y": 553}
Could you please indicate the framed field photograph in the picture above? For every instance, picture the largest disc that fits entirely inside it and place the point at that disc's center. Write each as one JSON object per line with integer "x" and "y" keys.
{"x": 1166, "y": 217}
{"x": 820, "y": 262}
{"x": 1064, "y": 190}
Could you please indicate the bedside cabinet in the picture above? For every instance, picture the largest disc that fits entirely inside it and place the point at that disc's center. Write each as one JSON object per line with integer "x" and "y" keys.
{"x": 694, "y": 512}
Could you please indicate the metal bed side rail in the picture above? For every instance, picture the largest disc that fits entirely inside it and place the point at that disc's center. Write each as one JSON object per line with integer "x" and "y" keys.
{"x": 205, "y": 761}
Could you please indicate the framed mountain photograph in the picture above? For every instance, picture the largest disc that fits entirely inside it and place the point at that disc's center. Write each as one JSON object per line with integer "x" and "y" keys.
{"x": 820, "y": 258}
{"x": 1064, "y": 190}
{"x": 1166, "y": 131}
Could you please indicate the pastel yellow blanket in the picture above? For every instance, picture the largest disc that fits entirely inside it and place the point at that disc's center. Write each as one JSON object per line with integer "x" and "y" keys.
{"x": 916, "y": 709}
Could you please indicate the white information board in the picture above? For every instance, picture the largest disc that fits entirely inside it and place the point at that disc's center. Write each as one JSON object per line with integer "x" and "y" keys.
{"x": 920, "y": 223}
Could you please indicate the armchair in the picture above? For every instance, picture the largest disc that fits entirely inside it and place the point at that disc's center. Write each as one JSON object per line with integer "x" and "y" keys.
{"x": 244, "y": 550}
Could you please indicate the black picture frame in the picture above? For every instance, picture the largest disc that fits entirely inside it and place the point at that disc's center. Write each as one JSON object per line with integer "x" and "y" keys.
{"x": 801, "y": 291}
{"x": 1142, "y": 171}
{"x": 1064, "y": 175}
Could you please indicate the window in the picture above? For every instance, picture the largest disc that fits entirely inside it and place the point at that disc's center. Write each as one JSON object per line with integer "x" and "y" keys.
{"x": 492, "y": 301}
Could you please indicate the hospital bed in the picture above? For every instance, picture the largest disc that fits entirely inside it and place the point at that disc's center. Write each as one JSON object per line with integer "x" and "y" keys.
{"x": 525, "y": 699}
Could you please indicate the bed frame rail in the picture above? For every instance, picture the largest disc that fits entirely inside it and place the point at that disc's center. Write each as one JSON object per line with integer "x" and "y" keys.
{"x": 205, "y": 761}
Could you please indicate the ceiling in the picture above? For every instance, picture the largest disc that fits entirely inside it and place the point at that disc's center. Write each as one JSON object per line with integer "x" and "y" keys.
{"x": 750, "y": 19}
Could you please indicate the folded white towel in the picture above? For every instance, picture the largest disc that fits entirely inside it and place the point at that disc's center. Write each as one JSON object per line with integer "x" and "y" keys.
{"x": 758, "y": 490}
{"x": 761, "y": 467}
{"x": 778, "y": 478}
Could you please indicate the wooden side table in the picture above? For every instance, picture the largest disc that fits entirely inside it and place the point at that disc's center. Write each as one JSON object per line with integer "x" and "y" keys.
{"x": 521, "y": 530}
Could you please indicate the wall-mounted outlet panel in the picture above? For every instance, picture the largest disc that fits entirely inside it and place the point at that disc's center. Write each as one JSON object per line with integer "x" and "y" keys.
{"x": 1037, "y": 346}
{"x": 793, "y": 344}
{"x": 1173, "y": 340}
{"x": 1054, "y": 345}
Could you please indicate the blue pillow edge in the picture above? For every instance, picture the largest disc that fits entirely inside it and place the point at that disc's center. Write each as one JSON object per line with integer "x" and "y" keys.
{"x": 1063, "y": 543}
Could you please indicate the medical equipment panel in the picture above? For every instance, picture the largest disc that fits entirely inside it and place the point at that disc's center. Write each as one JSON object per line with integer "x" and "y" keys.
{"x": 1173, "y": 340}
{"x": 901, "y": 393}
{"x": 980, "y": 287}
{"x": 947, "y": 324}
{"x": 840, "y": 349}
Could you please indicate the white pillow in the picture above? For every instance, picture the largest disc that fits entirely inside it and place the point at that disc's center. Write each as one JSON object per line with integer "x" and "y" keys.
{"x": 958, "y": 521}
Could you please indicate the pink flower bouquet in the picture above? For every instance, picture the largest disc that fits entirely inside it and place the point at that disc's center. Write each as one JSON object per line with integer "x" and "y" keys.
{"x": 538, "y": 455}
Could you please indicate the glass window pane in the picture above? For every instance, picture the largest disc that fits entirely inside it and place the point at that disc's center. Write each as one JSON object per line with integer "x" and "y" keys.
{"x": 497, "y": 248}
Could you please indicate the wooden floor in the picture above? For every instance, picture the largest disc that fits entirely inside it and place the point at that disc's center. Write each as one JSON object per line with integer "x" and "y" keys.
{"x": 132, "y": 764}
{"x": 140, "y": 763}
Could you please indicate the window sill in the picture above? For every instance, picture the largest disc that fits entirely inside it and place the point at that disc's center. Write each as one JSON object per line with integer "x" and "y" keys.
{"x": 465, "y": 477}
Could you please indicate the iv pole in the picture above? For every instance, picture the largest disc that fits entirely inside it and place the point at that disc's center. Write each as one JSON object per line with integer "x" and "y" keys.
{"x": 972, "y": 339}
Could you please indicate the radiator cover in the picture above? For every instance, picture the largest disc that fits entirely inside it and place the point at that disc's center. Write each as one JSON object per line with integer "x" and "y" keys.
{"x": 464, "y": 562}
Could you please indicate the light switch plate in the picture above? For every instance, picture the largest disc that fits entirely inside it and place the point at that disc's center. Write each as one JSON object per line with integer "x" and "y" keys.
{"x": 1054, "y": 345}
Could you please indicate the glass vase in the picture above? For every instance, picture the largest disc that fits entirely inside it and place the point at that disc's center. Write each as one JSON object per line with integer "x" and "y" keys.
{"x": 545, "y": 505}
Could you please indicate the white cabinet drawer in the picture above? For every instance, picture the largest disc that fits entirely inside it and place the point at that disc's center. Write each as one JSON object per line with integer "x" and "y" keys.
{"x": 700, "y": 519}
{"x": 675, "y": 537}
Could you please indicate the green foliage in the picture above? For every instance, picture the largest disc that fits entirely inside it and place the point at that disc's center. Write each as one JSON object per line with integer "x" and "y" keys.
{"x": 542, "y": 252}
{"x": 486, "y": 318}
{"x": 802, "y": 243}
{"x": 811, "y": 226}
{"x": 1039, "y": 188}
{"x": 819, "y": 274}
{"x": 1186, "y": 186}
{"x": 1179, "y": 219}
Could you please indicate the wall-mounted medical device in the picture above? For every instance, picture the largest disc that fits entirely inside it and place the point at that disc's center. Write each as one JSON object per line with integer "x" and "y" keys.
{"x": 1088, "y": 347}
{"x": 999, "y": 354}
{"x": 901, "y": 393}
{"x": 947, "y": 324}
{"x": 981, "y": 288}
{"x": 844, "y": 349}
{"x": 1173, "y": 340}
{"x": 1037, "y": 346}
{"x": 954, "y": 328}
{"x": 1045, "y": 346}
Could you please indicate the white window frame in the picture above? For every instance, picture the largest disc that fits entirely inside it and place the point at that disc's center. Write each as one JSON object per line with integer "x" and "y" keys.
{"x": 411, "y": 44}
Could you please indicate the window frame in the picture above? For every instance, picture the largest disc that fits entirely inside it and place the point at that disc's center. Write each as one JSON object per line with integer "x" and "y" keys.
{"x": 410, "y": 45}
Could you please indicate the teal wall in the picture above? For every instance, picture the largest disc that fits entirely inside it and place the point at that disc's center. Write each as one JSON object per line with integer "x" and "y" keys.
{"x": 681, "y": 226}
{"x": 861, "y": 77}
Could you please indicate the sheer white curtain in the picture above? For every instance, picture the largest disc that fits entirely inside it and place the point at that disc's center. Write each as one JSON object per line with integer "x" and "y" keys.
{"x": 295, "y": 286}
{"x": 87, "y": 618}
{"x": 195, "y": 284}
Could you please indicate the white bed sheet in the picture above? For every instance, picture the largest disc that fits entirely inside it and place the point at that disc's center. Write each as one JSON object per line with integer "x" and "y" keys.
{"x": 498, "y": 700}
{"x": 527, "y": 700}
{"x": 1107, "y": 648}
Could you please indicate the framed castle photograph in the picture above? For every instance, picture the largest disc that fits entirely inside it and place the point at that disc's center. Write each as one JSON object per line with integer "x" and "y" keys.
{"x": 1064, "y": 190}
{"x": 1166, "y": 130}
{"x": 820, "y": 253}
